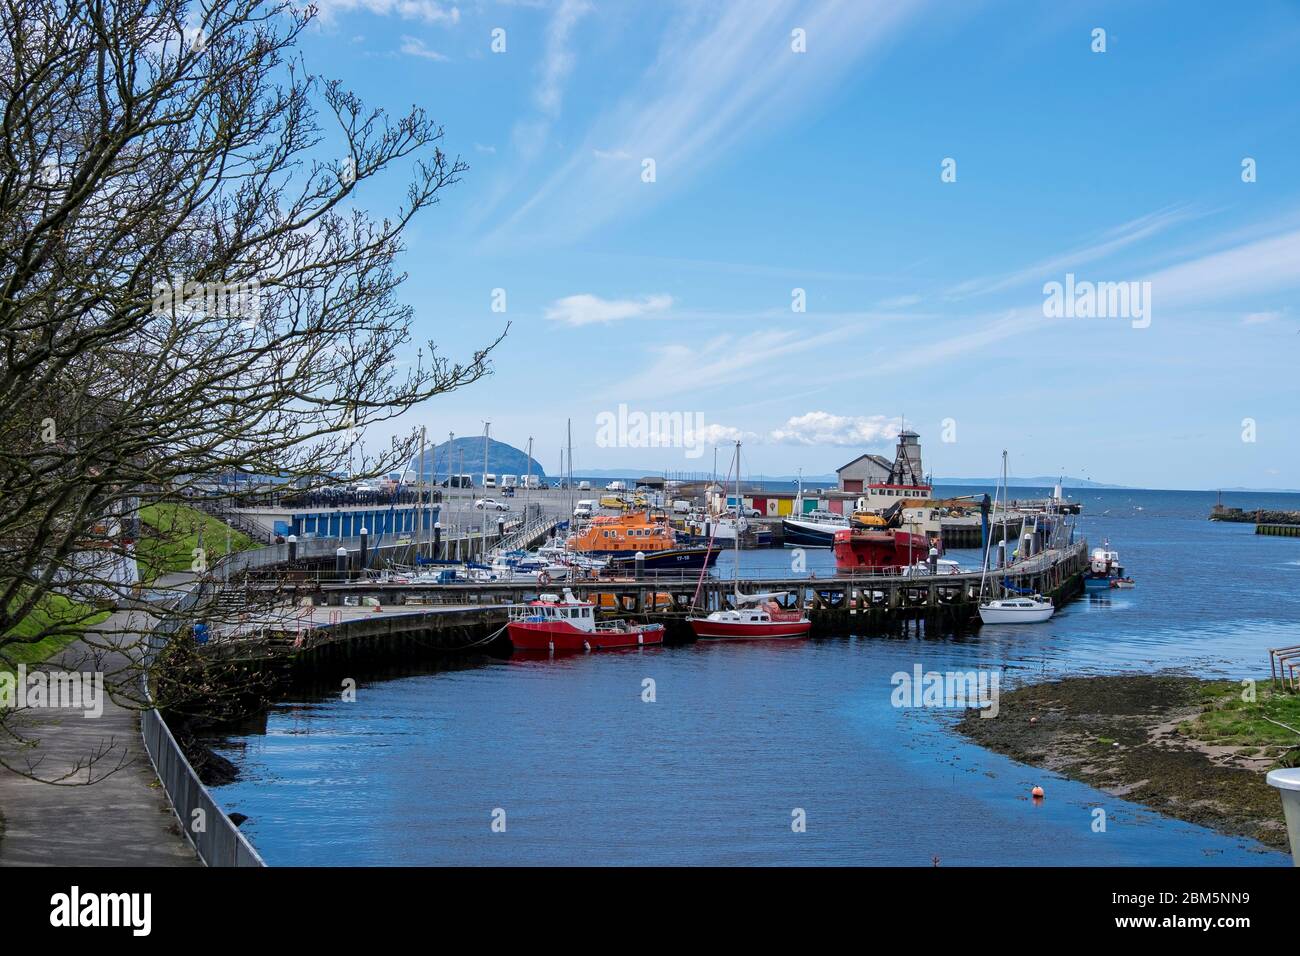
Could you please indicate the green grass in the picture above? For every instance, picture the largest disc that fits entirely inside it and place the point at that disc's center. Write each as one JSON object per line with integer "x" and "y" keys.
{"x": 169, "y": 533}
{"x": 1227, "y": 720}
{"x": 54, "y": 610}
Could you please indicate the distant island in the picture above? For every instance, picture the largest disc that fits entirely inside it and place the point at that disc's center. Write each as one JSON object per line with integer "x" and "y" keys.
{"x": 465, "y": 456}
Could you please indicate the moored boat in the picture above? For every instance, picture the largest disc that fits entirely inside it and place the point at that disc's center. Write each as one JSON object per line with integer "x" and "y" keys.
{"x": 1012, "y": 607}
{"x": 743, "y": 621}
{"x": 620, "y": 538}
{"x": 815, "y": 529}
{"x": 552, "y": 623}
{"x": 1103, "y": 567}
{"x": 860, "y": 549}
{"x": 1016, "y": 610}
{"x": 765, "y": 623}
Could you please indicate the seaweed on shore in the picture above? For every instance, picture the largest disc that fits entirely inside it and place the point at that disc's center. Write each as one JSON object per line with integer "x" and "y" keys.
{"x": 1134, "y": 736}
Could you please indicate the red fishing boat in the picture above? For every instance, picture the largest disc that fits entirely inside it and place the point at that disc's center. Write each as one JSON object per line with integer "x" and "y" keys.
{"x": 858, "y": 549}
{"x": 554, "y": 624}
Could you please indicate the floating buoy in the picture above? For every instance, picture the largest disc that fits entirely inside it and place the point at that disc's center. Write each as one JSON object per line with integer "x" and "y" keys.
{"x": 1033, "y": 720}
{"x": 1037, "y": 793}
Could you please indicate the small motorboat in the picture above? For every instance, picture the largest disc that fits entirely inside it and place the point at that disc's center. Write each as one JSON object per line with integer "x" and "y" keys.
{"x": 552, "y": 623}
{"x": 1103, "y": 568}
{"x": 1122, "y": 583}
{"x": 1016, "y": 610}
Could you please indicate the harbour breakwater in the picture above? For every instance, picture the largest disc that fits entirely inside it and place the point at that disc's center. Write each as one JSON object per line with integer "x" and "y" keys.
{"x": 1255, "y": 516}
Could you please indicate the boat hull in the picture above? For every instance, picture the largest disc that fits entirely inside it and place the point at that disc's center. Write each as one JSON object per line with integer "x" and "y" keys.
{"x": 674, "y": 559}
{"x": 559, "y": 636}
{"x": 804, "y": 534}
{"x": 1015, "y": 615}
{"x": 859, "y": 550}
{"x": 707, "y": 630}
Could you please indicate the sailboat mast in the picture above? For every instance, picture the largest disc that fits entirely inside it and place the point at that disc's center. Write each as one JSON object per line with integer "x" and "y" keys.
{"x": 528, "y": 479}
{"x": 419, "y": 505}
{"x": 735, "y": 525}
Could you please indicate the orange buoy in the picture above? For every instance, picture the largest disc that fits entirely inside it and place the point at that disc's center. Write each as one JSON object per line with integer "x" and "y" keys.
{"x": 1037, "y": 793}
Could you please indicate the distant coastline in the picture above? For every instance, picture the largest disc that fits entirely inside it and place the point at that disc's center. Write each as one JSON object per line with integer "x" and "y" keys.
{"x": 829, "y": 481}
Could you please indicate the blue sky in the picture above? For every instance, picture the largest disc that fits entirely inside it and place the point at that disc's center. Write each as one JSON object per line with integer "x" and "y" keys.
{"x": 777, "y": 170}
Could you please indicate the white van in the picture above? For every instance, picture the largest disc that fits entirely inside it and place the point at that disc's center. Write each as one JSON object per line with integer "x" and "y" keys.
{"x": 584, "y": 509}
{"x": 584, "y": 486}
{"x": 509, "y": 481}
{"x": 533, "y": 482}
{"x": 616, "y": 486}
{"x": 489, "y": 481}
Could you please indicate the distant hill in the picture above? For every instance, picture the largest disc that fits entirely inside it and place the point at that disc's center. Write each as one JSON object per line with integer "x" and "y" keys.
{"x": 465, "y": 456}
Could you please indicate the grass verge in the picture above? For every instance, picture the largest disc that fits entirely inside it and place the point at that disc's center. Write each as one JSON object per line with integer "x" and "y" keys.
{"x": 169, "y": 534}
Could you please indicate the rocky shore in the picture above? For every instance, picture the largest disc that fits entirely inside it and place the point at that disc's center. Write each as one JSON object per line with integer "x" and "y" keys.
{"x": 1189, "y": 748}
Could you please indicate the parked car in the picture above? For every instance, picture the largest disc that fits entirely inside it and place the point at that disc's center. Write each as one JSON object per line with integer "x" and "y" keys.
{"x": 491, "y": 504}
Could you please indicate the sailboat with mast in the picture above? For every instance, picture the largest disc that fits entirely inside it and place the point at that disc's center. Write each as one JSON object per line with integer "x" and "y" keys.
{"x": 1010, "y": 608}
{"x": 755, "y": 616}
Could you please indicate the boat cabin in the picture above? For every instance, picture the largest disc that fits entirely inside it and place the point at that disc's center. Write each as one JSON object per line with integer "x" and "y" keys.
{"x": 548, "y": 608}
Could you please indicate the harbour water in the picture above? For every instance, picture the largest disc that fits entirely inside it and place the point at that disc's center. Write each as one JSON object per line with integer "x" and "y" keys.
{"x": 740, "y": 738}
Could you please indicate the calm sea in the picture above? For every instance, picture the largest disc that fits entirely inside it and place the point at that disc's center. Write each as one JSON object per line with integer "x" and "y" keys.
{"x": 740, "y": 739}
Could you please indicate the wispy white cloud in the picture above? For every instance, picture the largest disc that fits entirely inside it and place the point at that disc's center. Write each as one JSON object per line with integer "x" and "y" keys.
{"x": 682, "y": 368}
{"x": 1260, "y": 318}
{"x": 1112, "y": 241}
{"x": 429, "y": 11}
{"x": 731, "y": 74}
{"x": 414, "y": 46}
{"x": 481, "y": 148}
{"x": 1253, "y": 267}
{"x": 824, "y": 428}
{"x": 558, "y": 59}
{"x": 587, "y": 309}
{"x": 531, "y": 133}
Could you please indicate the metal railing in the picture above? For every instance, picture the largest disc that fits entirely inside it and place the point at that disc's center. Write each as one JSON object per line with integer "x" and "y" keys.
{"x": 524, "y": 535}
{"x": 205, "y": 824}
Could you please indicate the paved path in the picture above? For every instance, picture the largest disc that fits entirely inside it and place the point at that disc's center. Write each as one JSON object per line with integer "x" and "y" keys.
{"x": 121, "y": 820}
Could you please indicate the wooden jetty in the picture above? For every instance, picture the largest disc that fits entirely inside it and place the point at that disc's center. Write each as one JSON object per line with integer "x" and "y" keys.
{"x": 846, "y": 604}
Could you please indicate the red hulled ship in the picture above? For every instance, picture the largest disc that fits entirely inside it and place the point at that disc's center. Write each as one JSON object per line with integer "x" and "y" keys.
{"x": 861, "y": 549}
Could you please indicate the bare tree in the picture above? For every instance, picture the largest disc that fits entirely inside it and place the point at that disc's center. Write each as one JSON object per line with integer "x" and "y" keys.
{"x": 187, "y": 285}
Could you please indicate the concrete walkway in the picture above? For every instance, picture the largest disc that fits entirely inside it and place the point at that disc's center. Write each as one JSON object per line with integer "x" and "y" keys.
{"x": 121, "y": 820}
